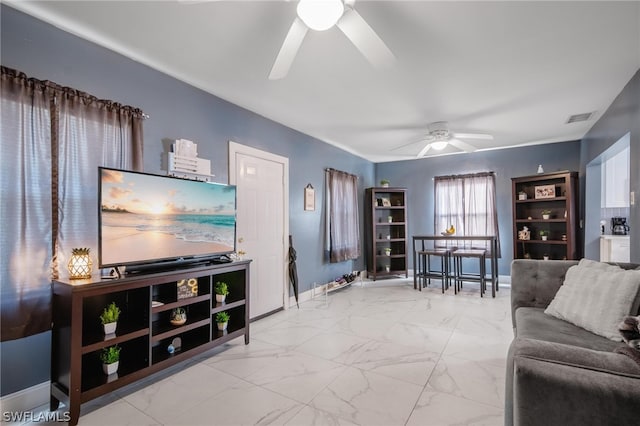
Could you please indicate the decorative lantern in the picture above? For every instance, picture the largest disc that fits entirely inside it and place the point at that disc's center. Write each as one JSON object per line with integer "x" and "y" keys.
{"x": 80, "y": 264}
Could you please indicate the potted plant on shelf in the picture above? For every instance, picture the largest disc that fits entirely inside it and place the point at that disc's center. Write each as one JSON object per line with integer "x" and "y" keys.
{"x": 222, "y": 319}
{"x": 222, "y": 290}
{"x": 387, "y": 251}
{"x": 522, "y": 195}
{"x": 390, "y": 219}
{"x": 546, "y": 214}
{"x": 384, "y": 183}
{"x": 110, "y": 358}
{"x": 109, "y": 318}
{"x": 545, "y": 257}
{"x": 544, "y": 235}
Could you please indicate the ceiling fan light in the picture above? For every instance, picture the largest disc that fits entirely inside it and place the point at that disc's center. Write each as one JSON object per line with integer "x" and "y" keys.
{"x": 320, "y": 15}
{"x": 438, "y": 145}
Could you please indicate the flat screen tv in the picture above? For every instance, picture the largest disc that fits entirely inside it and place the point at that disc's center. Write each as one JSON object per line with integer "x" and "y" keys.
{"x": 150, "y": 220}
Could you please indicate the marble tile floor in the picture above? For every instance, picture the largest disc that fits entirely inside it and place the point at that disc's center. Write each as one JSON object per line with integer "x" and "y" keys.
{"x": 377, "y": 353}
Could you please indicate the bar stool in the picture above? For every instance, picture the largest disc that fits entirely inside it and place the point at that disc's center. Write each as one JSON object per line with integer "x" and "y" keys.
{"x": 424, "y": 266}
{"x": 460, "y": 276}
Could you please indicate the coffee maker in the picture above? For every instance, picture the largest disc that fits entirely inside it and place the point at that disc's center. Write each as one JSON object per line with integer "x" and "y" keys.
{"x": 619, "y": 226}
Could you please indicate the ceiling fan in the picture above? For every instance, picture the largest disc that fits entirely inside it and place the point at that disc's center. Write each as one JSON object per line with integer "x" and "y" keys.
{"x": 440, "y": 136}
{"x": 321, "y": 15}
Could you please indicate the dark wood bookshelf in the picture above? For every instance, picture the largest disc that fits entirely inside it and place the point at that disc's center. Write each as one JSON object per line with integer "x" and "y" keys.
{"x": 144, "y": 331}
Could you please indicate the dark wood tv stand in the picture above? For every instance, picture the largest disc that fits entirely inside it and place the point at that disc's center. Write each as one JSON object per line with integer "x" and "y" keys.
{"x": 144, "y": 331}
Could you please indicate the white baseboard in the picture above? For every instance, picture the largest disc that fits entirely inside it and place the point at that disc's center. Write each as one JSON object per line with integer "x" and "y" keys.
{"x": 26, "y": 399}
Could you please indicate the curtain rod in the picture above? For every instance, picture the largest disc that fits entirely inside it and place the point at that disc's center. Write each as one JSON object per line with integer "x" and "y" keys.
{"x": 329, "y": 169}
{"x": 479, "y": 174}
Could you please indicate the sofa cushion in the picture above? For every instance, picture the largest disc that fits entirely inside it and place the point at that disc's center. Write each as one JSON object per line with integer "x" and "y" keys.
{"x": 533, "y": 323}
{"x": 596, "y": 296}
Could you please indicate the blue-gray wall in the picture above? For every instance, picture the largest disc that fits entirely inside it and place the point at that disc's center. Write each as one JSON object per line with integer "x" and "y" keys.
{"x": 622, "y": 117}
{"x": 417, "y": 176}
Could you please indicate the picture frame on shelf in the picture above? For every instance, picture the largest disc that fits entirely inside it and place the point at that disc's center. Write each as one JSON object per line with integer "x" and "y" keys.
{"x": 386, "y": 202}
{"x": 544, "y": 191}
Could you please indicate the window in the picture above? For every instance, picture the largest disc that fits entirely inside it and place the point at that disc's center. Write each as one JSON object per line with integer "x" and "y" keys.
{"x": 468, "y": 202}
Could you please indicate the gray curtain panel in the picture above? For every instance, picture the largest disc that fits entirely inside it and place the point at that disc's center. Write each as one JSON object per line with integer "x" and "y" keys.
{"x": 343, "y": 227}
{"x": 53, "y": 140}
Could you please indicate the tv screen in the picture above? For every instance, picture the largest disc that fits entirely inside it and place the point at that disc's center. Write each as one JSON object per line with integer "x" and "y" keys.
{"x": 145, "y": 218}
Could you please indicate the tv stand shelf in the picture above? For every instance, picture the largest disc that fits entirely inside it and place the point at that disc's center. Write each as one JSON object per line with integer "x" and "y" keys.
{"x": 144, "y": 330}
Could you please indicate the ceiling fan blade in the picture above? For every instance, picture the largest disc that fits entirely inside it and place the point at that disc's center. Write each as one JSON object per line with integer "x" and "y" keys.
{"x": 424, "y": 150}
{"x": 365, "y": 39}
{"x": 472, "y": 136}
{"x": 409, "y": 144}
{"x": 289, "y": 49}
{"x": 462, "y": 145}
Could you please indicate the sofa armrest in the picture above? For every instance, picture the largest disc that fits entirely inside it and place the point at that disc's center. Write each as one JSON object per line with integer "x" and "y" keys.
{"x": 534, "y": 283}
{"x": 552, "y": 383}
{"x": 548, "y": 393}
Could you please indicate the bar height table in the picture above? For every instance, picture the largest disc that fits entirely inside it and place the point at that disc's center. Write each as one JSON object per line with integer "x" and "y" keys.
{"x": 419, "y": 244}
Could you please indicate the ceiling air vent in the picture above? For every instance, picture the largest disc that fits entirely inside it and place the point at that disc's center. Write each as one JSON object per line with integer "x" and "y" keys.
{"x": 586, "y": 116}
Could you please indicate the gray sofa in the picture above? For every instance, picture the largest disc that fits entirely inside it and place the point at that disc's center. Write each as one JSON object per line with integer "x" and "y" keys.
{"x": 558, "y": 373}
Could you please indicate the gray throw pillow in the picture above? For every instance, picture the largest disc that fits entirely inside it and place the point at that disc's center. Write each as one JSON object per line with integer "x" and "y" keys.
{"x": 596, "y": 296}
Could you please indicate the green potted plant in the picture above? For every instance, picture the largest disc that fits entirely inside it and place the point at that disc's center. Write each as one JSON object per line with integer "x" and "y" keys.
{"x": 546, "y": 214}
{"x": 222, "y": 319}
{"x": 110, "y": 358}
{"x": 544, "y": 235}
{"x": 387, "y": 251}
{"x": 109, "y": 318}
{"x": 222, "y": 290}
{"x": 384, "y": 183}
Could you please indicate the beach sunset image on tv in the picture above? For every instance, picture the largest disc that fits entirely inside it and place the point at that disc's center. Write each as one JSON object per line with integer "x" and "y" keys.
{"x": 149, "y": 217}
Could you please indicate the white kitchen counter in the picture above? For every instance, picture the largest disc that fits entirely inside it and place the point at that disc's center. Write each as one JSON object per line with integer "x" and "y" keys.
{"x": 615, "y": 248}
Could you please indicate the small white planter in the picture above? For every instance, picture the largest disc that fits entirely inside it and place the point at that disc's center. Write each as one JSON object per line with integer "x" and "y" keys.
{"x": 387, "y": 268}
{"x": 390, "y": 219}
{"x": 220, "y": 298}
{"x": 545, "y": 216}
{"x": 545, "y": 257}
{"x": 544, "y": 237}
{"x": 110, "y": 368}
{"x": 222, "y": 326}
{"x": 110, "y": 328}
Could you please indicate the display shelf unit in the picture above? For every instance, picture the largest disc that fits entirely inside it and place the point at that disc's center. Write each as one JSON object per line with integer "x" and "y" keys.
{"x": 144, "y": 330}
{"x": 386, "y": 229}
{"x": 534, "y": 195}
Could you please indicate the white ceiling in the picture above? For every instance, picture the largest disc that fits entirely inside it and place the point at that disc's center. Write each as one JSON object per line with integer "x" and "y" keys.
{"x": 516, "y": 70}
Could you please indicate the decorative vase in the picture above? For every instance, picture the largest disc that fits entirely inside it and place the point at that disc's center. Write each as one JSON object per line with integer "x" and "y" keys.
{"x": 220, "y": 298}
{"x": 110, "y": 368}
{"x": 222, "y": 326}
{"x": 110, "y": 328}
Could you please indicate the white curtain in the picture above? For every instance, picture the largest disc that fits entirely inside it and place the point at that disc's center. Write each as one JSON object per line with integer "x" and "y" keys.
{"x": 468, "y": 202}
{"x": 343, "y": 227}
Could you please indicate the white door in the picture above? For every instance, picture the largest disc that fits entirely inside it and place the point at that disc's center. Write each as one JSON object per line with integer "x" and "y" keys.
{"x": 262, "y": 217}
